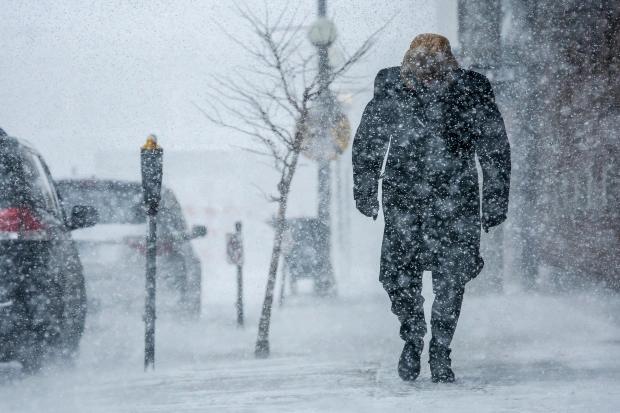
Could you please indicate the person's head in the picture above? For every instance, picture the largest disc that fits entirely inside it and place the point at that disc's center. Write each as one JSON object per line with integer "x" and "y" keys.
{"x": 428, "y": 59}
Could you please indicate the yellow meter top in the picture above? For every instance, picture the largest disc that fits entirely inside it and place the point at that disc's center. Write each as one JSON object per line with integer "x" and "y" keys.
{"x": 151, "y": 143}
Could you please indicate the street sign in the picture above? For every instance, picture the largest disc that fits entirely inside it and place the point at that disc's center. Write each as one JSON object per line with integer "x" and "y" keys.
{"x": 326, "y": 135}
{"x": 234, "y": 253}
{"x": 234, "y": 249}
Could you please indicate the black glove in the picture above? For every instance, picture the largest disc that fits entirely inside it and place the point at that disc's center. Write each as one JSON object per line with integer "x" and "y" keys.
{"x": 489, "y": 221}
{"x": 368, "y": 205}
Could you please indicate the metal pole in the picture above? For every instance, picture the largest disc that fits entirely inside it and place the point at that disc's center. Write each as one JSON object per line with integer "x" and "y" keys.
{"x": 324, "y": 167}
{"x": 322, "y": 8}
{"x": 324, "y": 164}
{"x": 325, "y": 194}
{"x": 239, "y": 280}
{"x": 239, "y": 295}
{"x": 149, "y": 313}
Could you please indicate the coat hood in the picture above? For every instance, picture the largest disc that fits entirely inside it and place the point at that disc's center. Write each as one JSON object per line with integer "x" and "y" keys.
{"x": 429, "y": 59}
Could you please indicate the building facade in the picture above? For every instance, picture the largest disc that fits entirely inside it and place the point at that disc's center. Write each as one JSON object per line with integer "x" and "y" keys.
{"x": 556, "y": 70}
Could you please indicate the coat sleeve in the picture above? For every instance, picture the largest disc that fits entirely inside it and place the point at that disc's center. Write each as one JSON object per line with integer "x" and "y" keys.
{"x": 370, "y": 143}
{"x": 493, "y": 152}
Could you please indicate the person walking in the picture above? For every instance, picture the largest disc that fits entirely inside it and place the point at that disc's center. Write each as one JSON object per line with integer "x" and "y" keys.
{"x": 431, "y": 118}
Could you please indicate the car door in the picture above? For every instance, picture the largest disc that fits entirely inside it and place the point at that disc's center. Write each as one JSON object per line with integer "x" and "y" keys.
{"x": 43, "y": 284}
{"x": 64, "y": 268}
{"x": 46, "y": 205}
{"x": 74, "y": 289}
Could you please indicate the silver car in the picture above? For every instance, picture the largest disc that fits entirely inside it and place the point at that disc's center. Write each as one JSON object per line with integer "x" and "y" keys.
{"x": 113, "y": 251}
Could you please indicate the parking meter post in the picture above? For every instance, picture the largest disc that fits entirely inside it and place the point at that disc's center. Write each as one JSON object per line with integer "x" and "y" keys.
{"x": 239, "y": 306}
{"x": 282, "y": 287}
{"x": 151, "y": 163}
{"x": 239, "y": 296}
{"x": 151, "y": 285}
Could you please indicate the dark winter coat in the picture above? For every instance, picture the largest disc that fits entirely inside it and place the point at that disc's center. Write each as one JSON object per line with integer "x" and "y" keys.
{"x": 431, "y": 199}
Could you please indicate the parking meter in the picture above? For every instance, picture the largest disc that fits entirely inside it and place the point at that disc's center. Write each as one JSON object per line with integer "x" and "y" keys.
{"x": 151, "y": 163}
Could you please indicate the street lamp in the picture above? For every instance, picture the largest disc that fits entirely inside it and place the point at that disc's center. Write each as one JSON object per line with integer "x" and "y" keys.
{"x": 323, "y": 34}
{"x": 151, "y": 163}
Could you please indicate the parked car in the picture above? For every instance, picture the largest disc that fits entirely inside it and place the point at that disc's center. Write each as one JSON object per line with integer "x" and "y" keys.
{"x": 113, "y": 251}
{"x": 42, "y": 292}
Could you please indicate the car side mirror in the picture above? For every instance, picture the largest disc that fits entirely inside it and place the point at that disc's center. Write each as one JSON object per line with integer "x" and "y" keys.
{"x": 138, "y": 214}
{"x": 198, "y": 231}
{"x": 83, "y": 217}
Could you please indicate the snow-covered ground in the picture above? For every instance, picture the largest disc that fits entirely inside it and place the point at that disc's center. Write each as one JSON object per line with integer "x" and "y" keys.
{"x": 512, "y": 353}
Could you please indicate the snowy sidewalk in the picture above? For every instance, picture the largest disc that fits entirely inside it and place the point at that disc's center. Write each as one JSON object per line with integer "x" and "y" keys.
{"x": 513, "y": 353}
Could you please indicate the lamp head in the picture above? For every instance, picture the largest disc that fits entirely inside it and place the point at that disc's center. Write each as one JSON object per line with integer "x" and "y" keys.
{"x": 323, "y": 32}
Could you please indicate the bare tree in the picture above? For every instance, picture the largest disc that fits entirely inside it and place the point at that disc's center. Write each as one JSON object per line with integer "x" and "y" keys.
{"x": 273, "y": 110}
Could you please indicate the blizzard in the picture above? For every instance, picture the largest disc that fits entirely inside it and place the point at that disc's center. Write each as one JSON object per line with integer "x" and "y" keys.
{"x": 531, "y": 353}
{"x": 539, "y": 329}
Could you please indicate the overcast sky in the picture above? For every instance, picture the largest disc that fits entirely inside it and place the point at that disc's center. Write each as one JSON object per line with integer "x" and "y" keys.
{"x": 77, "y": 76}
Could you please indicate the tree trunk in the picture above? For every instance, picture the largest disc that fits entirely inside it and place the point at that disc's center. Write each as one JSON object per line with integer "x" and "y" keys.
{"x": 262, "y": 341}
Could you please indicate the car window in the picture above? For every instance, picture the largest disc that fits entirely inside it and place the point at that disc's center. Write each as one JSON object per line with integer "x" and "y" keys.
{"x": 170, "y": 213}
{"x": 42, "y": 191}
{"x": 9, "y": 181}
{"x": 121, "y": 204}
{"x": 115, "y": 205}
{"x": 48, "y": 177}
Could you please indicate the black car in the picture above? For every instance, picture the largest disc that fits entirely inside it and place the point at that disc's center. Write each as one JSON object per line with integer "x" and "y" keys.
{"x": 113, "y": 251}
{"x": 42, "y": 291}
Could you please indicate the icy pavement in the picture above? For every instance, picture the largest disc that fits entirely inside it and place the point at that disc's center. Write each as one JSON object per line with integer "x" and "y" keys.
{"x": 512, "y": 353}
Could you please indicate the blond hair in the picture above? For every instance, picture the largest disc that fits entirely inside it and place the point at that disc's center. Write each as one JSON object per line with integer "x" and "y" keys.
{"x": 428, "y": 58}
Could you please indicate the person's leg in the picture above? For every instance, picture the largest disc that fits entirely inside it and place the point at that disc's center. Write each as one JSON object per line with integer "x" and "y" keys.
{"x": 446, "y": 308}
{"x": 449, "y": 290}
{"x": 403, "y": 282}
{"x": 407, "y": 305}
{"x": 404, "y": 287}
{"x": 399, "y": 275}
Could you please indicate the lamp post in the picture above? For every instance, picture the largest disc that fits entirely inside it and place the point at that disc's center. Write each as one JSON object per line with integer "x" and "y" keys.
{"x": 151, "y": 163}
{"x": 322, "y": 35}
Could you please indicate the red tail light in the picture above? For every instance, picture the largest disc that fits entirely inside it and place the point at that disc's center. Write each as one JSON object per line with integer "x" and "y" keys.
{"x": 139, "y": 245}
{"x": 165, "y": 248}
{"x": 19, "y": 221}
{"x": 136, "y": 244}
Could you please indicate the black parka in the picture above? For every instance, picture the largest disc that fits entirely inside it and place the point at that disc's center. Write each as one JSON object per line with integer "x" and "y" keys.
{"x": 431, "y": 198}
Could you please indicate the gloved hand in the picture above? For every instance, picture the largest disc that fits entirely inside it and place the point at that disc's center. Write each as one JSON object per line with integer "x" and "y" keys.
{"x": 489, "y": 221}
{"x": 368, "y": 205}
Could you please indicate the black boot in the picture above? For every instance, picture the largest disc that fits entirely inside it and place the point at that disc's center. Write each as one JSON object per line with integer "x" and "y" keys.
{"x": 409, "y": 363}
{"x": 439, "y": 360}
